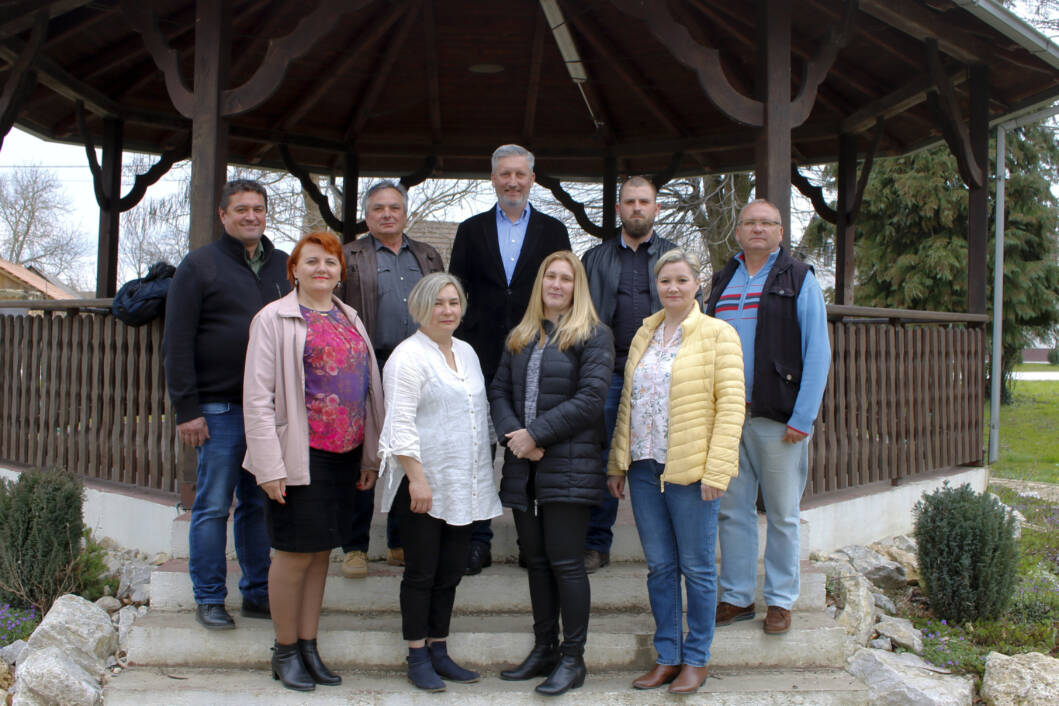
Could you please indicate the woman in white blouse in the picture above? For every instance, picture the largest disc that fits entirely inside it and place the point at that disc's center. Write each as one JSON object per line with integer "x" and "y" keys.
{"x": 437, "y": 470}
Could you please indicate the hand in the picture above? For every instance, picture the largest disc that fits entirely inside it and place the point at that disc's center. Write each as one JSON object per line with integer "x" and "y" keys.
{"x": 710, "y": 493}
{"x": 792, "y": 436}
{"x": 536, "y": 454}
{"x": 616, "y": 486}
{"x": 422, "y": 498}
{"x": 520, "y": 442}
{"x": 194, "y": 432}
{"x": 367, "y": 479}
{"x": 276, "y": 490}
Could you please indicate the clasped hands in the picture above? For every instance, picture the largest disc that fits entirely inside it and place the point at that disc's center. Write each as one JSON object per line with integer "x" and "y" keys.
{"x": 520, "y": 443}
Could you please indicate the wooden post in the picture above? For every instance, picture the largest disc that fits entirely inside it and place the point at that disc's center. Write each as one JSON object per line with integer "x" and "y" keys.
{"x": 350, "y": 195}
{"x": 610, "y": 196}
{"x": 773, "y": 146}
{"x": 844, "y": 229}
{"x": 978, "y": 197}
{"x": 209, "y": 131}
{"x": 110, "y": 216}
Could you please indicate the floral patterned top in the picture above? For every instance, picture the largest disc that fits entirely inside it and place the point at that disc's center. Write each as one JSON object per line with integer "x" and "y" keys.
{"x": 649, "y": 398}
{"x": 336, "y": 381}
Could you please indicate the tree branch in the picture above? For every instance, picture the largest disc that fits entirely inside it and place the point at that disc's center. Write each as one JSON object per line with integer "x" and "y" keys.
{"x": 22, "y": 79}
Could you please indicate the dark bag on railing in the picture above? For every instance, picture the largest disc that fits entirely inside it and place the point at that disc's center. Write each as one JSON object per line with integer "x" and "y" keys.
{"x": 143, "y": 299}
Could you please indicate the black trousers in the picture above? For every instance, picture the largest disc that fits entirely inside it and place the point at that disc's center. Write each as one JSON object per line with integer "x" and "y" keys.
{"x": 435, "y": 556}
{"x": 553, "y": 543}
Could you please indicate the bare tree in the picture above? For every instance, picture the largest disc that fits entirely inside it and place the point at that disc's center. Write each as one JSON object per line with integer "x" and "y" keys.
{"x": 34, "y": 224}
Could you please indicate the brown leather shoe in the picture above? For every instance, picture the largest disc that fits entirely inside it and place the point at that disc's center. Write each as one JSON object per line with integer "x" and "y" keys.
{"x": 728, "y": 613}
{"x": 777, "y": 621}
{"x": 659, "y": 676}
{"x": 689, "y": 680}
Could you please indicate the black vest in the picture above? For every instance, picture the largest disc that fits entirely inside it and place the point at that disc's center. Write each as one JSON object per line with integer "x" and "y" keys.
{"x": 778, "y": 338}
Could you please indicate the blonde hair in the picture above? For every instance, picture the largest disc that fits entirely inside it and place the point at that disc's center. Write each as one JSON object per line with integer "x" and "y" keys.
{"x": 677, "y": 255}
{"x": 575, "y": 325}
{"x": 421, "y": 298}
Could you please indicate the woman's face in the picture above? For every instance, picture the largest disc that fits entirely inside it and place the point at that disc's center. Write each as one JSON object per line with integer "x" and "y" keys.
{"x": 317, "y": 271}
{"x": 446, "y": 313}
{"x": 677, "y": 285}
{"x": 557, "y": 288}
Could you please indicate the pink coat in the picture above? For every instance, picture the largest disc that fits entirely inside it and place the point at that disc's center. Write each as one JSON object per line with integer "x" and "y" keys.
{"x": 277, "y": 424}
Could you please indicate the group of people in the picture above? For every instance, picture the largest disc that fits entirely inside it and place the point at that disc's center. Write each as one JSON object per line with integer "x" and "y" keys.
{"x": 342, "y": 367}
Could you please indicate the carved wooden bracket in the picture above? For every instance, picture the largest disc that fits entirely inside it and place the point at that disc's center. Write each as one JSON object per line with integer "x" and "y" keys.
{"x": 816, "y": 195}
{"x": 422, "y": 174}
{"x": 22, "y": 79}
{"x": 575, "y": 207}
{"x": 139, "y": 187}
{"x": 268, "y": 76}
{"x": 816, "y": 69}
{"x": 942, "y": 103}
{"x": 659, "y": 179}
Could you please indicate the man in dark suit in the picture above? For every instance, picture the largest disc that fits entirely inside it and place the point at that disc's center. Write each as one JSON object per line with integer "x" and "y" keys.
{"x": 496, "y": 255}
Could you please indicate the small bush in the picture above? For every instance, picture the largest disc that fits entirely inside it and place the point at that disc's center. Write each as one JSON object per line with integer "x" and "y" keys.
{"x": 92, "y": 577}
{"x": 967, "y": 553}
{"x": 40, "y": 537}
{"x": 1053, "y": 356}
{"x": 17, "y": 623}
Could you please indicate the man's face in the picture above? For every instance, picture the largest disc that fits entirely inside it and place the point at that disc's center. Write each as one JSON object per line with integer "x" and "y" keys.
{"x": 512, "y": 180}
{"x": 385, "y": 216}
{"x": 638, "y": 207}
{"x": 244, "y": 218}
{"x": 759, "y": 229}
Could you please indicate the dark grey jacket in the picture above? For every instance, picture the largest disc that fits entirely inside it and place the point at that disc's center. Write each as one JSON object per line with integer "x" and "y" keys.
{"x": 604, "y": 270}
{"x": 569, "y": 423}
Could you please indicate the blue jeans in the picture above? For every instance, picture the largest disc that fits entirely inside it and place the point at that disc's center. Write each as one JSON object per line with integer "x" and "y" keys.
{"x": 220, "y": 474}
{"x": 780, "y": 469}
{"x": 360, "y": 519}
{"x": 600, "y": 535}
{"x": 678, "y": 531}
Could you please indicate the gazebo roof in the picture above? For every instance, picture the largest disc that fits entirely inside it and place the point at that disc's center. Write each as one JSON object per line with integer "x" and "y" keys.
{"x": 398, "y": 81}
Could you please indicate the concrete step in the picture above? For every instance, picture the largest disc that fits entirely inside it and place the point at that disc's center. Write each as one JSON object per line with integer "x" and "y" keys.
{"x": 490, "y": 642}
{"x": 732, "y": 687}
{"x": 501, "y": 588}
{"x": 626, "y": 546}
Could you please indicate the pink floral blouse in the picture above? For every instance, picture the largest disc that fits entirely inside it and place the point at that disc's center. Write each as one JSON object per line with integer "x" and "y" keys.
{"x": 336, "y": 381}
{"x": 649, "y": 397}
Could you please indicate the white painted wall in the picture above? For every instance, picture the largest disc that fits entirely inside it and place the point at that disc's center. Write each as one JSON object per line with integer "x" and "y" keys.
{"x": 130, "y": 521}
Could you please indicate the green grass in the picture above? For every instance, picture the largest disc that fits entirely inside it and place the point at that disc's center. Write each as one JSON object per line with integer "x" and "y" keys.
{"x": 1029, "y": 433}
{"x": 1036, "y": 368}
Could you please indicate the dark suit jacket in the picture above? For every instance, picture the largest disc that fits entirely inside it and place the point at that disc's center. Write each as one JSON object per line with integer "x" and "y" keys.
{"x": 361, "y": 287}
{"x": 493, "y": 306}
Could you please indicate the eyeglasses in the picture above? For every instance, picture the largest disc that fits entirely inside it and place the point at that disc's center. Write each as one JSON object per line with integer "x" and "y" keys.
{"x": 752, "y": 222}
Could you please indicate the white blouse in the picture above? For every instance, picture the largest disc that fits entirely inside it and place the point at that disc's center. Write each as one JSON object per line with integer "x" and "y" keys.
{"x": 444, "y": 413}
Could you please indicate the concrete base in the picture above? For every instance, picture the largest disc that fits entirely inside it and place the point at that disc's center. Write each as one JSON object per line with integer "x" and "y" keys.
{"x": 724, "y": 687}
{"x": 868, "y": 515}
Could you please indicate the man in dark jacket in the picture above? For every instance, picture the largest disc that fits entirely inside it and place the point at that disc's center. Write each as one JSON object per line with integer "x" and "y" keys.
{"x": 622, "y": 283}
{"x": 216, "y": 291}
{"x": 381, "y": 269}
{"x": 496, "y": 255}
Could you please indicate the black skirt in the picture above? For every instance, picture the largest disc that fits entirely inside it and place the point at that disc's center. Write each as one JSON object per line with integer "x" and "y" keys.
{"x": 317, "y": 517}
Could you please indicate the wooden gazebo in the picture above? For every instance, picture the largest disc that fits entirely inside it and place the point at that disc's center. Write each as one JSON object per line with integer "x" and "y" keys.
{"x": 598, "y": 89}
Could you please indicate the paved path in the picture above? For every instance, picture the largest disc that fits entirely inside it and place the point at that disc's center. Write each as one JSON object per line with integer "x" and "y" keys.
{"x": 1036, "y": 376}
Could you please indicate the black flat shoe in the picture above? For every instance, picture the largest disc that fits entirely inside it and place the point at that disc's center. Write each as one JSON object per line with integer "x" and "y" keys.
{"x": 568, "y": 674}
{"x": 287, "y": 667}
{"x": 253, "y": 609}
{"x": 478, "y": 558}
{"x": 315, "y": 666}
{"x": 539, "y": 663}
{"x": 213, "y": 616}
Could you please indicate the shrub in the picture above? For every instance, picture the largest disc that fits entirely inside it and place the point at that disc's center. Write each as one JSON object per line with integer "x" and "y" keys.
{"x": 967, "y": 553}
{"x": 1053, "y": 356}
{"x": 40, "y": 537}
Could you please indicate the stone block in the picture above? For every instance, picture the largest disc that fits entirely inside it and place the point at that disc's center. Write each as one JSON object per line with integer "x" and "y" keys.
{"x": 898, "y": 679}
{"x": 1030, "y": 679}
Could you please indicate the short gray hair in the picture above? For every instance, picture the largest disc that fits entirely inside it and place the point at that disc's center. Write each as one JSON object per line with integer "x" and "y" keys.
{"x": 512, "y": 151}
{"x": 677, "y": 255}
{"x": 385, "y": 184}
{"x": 421, "y": 298}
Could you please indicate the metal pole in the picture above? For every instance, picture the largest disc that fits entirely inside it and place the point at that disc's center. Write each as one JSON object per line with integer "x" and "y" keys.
{"x": 998, "y": 297}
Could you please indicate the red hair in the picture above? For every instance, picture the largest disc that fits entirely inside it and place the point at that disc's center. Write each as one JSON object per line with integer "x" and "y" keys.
{"x": 326, "y": 240}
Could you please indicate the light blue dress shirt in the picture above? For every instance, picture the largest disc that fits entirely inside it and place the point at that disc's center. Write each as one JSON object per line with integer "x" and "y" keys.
{"x": 511, "y": 236}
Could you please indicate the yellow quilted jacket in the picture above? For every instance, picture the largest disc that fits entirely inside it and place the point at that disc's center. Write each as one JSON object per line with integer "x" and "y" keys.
{"x": 707, "y": 402}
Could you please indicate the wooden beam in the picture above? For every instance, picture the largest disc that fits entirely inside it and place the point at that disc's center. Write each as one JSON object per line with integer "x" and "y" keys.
{"x": 17, "y": 17}
{"x": 310, "y": 187}
{"x": 817, "y": 68}
{"x": 845, "y": 230}
{"x": 533, "y": 85}
{"x": 773, "y": 148}
{"x": 22, "y": 79}
{"x": 911, "y": 94}
{"x": 942, "y": 103}
{"x": 350, "y": 192}
{"x": 144, "y": 20}
{"x": 577, "y": 209}
{"x": 920, "y": 22}
{"x": 433, "y": 80}
{"x": 978, "y": 195}
{"x": 109, "y": 213}
{"x": 610, "y": 196}
{"x": 209, "y": 134}
{"x": 367, "y": 101}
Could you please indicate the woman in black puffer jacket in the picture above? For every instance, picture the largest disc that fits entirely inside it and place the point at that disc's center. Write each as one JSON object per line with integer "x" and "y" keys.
{"x": 546, "y": 401}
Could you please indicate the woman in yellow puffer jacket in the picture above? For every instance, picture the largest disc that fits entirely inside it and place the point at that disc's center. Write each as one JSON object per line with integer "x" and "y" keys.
{"x": 677, "y": 442}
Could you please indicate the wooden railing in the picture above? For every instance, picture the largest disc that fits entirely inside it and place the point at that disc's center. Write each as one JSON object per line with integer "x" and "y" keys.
{"x": 82, "y": 391}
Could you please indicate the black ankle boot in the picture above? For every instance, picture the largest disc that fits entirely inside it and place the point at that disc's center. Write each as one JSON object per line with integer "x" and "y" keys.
{"x": 568, "y": 674}
{"x": 315, "y": 666}
{"x": 421, "y": 672}
{"x": 539, "y": 663}
{"x": 287, "y": 666}
{"x": 446, "y": 668}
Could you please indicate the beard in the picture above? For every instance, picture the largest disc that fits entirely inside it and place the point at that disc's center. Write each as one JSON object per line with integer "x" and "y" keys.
{"x": 638, "y": 228}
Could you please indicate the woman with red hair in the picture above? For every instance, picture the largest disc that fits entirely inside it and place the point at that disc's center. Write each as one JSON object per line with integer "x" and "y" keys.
{"x": 312, "y": 405}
